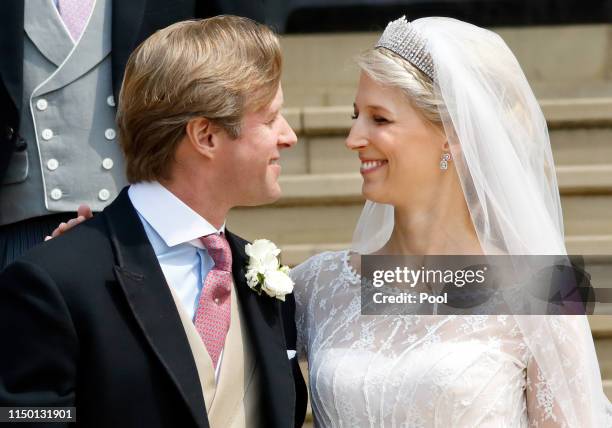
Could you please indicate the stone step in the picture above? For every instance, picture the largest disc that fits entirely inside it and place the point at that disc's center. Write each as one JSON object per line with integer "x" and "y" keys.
{"x": 560, "y": 113}
{"x": 308, "y": 189}
{"x": 324, "y": 208}
{"x": 559, "y": 62}
{"x": 580, "y": 132}
{"x": 601, "y": 327}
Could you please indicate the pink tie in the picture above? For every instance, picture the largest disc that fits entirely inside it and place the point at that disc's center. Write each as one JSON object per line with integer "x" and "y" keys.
{"x": 75, "y": 13}
{"x": 212, "y": 319}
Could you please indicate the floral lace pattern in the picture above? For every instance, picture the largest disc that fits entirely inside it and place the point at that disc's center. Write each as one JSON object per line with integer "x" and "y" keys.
{"x": 411, "y": 371}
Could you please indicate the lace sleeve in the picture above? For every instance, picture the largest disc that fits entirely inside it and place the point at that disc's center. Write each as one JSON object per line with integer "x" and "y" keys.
{"x": 591, "y": 407}
{"x": 304, "y": 276}
{"x": 542, "y": 409}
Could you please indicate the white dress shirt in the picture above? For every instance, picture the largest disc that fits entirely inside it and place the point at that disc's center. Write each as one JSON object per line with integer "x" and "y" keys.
{"x": 174, "y": 230}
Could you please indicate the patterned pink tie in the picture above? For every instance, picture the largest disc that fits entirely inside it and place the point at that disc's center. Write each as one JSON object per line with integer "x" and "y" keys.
{"x": 212, "y": 319}
{"x": 75, "y": 13}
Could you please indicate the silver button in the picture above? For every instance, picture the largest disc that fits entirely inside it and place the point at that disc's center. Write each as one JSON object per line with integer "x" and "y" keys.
{"x": 52, "y": 164}
{"x": 42, "y": 104}
{"x": 47, "y": 134}
{"x": 107, "y": 163}
{"x": 56, "y": 194}
{"x": 110, "y": 134}
{"x": 110, "y": 100}
{"x": 104, "y": 195}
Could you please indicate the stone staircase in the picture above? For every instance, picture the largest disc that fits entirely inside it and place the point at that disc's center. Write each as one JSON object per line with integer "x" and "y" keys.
{"x": 602, "y": 333}
{"x": 570, "y": 69}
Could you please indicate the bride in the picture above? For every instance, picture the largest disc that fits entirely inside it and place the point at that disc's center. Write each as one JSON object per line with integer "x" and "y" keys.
{"x": 456, "y": 160}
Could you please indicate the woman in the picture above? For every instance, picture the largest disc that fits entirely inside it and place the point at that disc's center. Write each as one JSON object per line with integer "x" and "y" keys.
{"x": 455, "y": 160}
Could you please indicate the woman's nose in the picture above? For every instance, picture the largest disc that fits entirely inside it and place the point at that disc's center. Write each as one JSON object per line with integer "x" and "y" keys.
{"x": 355, "y": 140}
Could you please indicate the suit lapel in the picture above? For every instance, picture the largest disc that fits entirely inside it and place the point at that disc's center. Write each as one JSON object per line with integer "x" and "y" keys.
{"x": 148, "y": 295}
{"x": 90, "y": 50}
{"x": 44, "y": 27}
{"x": 263, "y": 319}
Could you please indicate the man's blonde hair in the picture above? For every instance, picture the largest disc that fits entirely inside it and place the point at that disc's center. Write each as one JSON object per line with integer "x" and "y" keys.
{"x": 218, "y": 68}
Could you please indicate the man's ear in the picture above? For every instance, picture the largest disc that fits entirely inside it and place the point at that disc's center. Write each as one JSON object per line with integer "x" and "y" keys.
{"x": 203, "y": 135}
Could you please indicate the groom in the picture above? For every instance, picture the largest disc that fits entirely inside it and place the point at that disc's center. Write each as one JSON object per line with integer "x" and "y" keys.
{"x": 142, "y": 316}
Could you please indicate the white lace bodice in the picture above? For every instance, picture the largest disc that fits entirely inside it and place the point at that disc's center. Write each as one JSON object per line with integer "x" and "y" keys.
{"x": 410, "y": 371}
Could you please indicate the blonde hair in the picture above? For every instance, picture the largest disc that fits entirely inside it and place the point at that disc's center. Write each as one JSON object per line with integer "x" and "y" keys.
{"x": 389, "y": 69}
{"x": 218, "y": 68}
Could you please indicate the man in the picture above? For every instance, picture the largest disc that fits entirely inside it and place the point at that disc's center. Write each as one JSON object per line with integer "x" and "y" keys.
{"x": 61, "y": 69}
{"x": 134, "y": 317}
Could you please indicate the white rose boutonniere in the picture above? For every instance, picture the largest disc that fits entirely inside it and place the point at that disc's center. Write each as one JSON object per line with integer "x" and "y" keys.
{"x": 264, "y": 271}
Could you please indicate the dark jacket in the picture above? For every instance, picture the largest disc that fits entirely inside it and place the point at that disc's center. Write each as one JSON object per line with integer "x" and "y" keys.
{"x": 87, "y": 320}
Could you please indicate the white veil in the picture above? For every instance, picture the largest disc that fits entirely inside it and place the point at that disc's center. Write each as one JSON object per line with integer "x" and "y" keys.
{"x": 501, "y": 150}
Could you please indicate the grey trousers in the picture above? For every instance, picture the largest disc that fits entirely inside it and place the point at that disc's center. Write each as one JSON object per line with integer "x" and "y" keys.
{"x": 17, "y": 238}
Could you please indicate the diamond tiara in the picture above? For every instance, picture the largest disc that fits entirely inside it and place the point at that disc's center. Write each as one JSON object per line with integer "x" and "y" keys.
{"x": 402, "y": 38}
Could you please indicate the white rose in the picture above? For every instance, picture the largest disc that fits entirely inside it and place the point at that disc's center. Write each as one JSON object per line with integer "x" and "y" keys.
{"x": 251, "y": 277}
{"x": 277, "y": 283}
{"x": 262, "y": 253}
{"x": 261, "y": 247}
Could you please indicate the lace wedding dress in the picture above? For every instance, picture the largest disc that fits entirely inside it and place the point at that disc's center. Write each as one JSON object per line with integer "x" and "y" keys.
{"x": 411, "y": 371}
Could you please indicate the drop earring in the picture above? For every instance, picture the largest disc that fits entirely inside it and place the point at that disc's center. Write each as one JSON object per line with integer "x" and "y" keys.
{"x": 446, "y": 157}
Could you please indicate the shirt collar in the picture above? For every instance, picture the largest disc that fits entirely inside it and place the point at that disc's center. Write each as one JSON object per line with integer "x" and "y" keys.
{"x": 170, "y": 217}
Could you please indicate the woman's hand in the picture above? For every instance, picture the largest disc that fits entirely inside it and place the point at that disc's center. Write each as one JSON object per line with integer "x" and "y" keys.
{"x": 83, "y": 213}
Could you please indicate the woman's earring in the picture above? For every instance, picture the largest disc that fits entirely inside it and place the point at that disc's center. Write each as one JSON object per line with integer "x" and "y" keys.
{"x": 446, "y": 157}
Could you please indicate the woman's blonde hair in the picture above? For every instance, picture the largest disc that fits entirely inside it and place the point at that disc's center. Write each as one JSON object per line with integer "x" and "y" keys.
{"x": 389, "y": 69}
{"x": 218, "y": 68}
